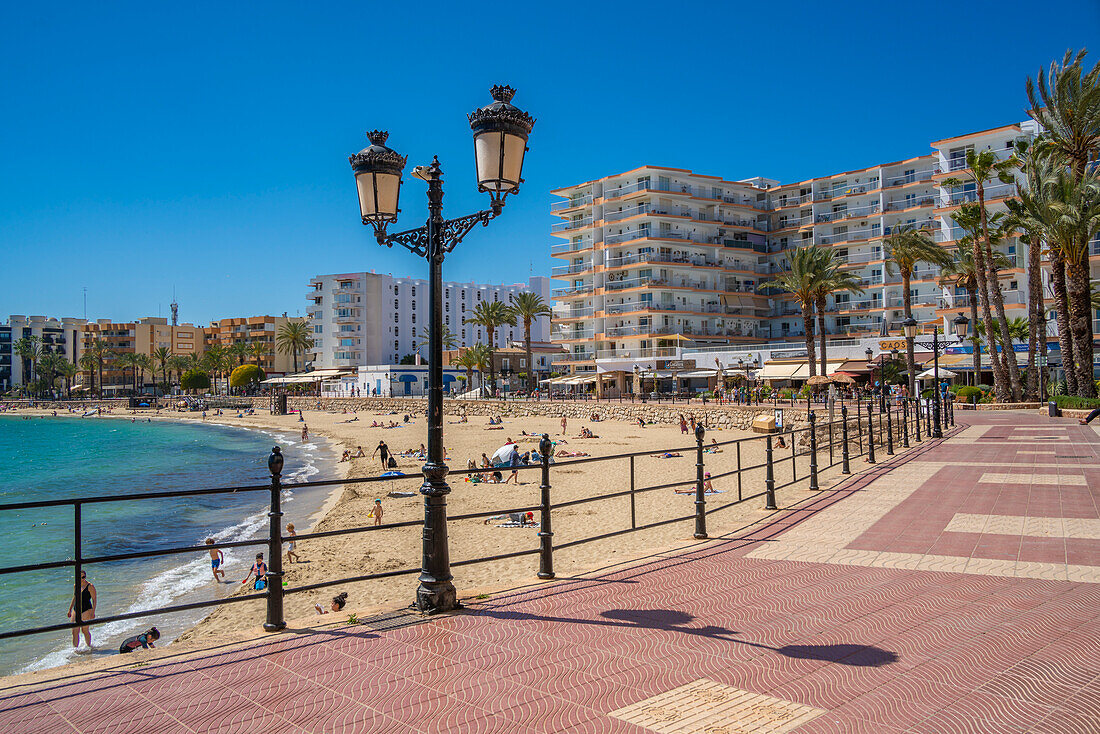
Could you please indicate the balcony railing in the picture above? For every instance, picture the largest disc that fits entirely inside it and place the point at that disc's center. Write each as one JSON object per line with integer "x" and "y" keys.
{"x": 1011, "y": 296}
{"x": 574, "y": 334}
{"x": 859, "y": 211}
{"x": 628, "y": 212}
{"x": 909, "y": 203}
{"x": 627, "y": 189}
{"x": 572, "y": 290}
{"x": 852, "y": 190}
{"x": 576, "y": 313}
{"x": 637, "y": 353}
{"x": 570, "y": 269}
{"x": 565, "y": 226}
{"x": 570, "y": 247}
{"x": 573, "y": 203}
{"x": 908, "y": 178}
{"x": 573, "y": 357}
{"x": 855, "y": 234}
{"x": 997, "y": 191}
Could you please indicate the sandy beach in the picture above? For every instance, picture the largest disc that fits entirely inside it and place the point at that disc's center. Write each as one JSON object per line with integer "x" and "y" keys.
{"x": 400, "y": 548}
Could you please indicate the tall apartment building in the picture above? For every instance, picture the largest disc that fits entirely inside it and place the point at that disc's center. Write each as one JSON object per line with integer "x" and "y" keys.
{"x": 59, "y": 336}
{"x": 373, "y": 319}
{"x": 138, "y": 337}
{"x": 656, "y": 257}
{"x": 255, "y": 330}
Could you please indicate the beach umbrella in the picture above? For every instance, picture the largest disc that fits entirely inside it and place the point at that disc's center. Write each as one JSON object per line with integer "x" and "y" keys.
{"x": 930, "y": 374}
{"x": 818, "y": 380}
{"x": 503, "y": 454}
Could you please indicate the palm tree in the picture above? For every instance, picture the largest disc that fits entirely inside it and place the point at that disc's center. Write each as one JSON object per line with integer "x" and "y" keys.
{"x": 1027, "y": 214}
{"x": 962, "y": 273}
{"x": 801, "y": 282}
{"x": 124, "y": 362}
{"x": 468, "y": 361}
{"x": 981, "y": 167}
{"x": 50, "y": 365}
{"x": 228, "y": 364}
{"x": 831, "y": 278}
{"x": 67, "y": 370}
{"x": 491, "y": 315}
{"x": 29, "y": 350}
{"x": 143, "y": 363}
{"x": 239, "y": 350}
{"x": 95, "y": 354}
{"x": 258, "y": 350}
{"x": 294, "y": 337}
{"x": 423, "y": 338}
{"x": 178, "y": 364}
{"x": 212, "y": 361}
{"x": 1066, "y": 102}
{"x": 526, "y": 308}
{"x": 482, "y": 357}
{"x": 906, "y": 246}
{"x": 1074, "y": 218}
{"x": 1017, "y": 327}
{"x": 161, "y": 358}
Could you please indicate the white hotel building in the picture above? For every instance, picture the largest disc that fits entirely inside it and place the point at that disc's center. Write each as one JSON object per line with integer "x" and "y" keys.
{"x": 660, "y": 261}
{"x": 373, "y": 319}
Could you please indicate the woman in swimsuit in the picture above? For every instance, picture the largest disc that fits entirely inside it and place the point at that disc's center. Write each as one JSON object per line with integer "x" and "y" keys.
{"x": 86, "y": 611}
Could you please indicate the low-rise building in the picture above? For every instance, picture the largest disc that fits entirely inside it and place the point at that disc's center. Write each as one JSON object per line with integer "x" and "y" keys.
{"x": 252, "y": 330}
{"x": 136, "y": 337}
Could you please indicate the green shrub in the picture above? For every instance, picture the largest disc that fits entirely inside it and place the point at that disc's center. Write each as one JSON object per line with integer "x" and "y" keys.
{"x": 965, "y": 392}
{"x": 927, "y": 392}
{"x": 786, "y": 393}
{"x": 1073, "y": 402}
{"x": 194, "y": 380}
{"x": 986, "y": 399}
{"x": 246, "y": 374}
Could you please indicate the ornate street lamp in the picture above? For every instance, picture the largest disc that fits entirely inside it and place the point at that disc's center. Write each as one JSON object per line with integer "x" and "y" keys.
{"x": 909, "y": 328}
{"x": 500, "y": 132}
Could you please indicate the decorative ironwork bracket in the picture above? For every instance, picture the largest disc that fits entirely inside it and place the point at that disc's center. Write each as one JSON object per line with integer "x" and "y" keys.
{"x": 452, "y": 232}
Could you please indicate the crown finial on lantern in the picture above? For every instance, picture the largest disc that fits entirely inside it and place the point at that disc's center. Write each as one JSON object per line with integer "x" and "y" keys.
{"x": 378, "y": 137}
{"x": 502, "y": 93}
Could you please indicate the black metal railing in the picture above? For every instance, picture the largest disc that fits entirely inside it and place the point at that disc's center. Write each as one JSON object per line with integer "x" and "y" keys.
{"x": 862, "y": 426}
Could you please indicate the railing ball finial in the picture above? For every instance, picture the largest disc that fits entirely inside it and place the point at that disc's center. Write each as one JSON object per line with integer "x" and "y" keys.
{"x": 275, "y": 462}
{"x": 700, "y": 431}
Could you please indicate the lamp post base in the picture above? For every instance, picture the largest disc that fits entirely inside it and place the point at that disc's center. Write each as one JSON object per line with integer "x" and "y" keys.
{"x": 433, "y": 598}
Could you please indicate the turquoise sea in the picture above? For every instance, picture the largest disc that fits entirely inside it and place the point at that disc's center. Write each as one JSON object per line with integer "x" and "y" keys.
{"x": 52, "y": 458}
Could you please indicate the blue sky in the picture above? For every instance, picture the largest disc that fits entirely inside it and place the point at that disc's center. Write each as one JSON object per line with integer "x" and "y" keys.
{"x": 203, "y": 147}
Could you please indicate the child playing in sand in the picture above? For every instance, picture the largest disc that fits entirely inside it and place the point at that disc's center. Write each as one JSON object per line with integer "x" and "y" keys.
{"x": 376, "y": 512}
{"x": 338, "y": 603}
{"x": 291, "y": 556}
{"x": 145, "y": 640}
{"x": 217, "y": 558}
{"x": 259, "y": 571}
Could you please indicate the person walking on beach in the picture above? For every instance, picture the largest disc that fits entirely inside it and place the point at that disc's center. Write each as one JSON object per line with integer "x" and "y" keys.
{"x": 217, "y": 558}
{"x": 564, "y": 423}
{"x": 683, "y": 424}
{"x": 291, "y": 556}
{"x": 376, "y": 512}
{"x": 305, "y": 432}
{"x": 514, "y": 462}
{"x": 384, "y": 451}
{"x": 83, "y": 610}
{"x": 259, "y": 571}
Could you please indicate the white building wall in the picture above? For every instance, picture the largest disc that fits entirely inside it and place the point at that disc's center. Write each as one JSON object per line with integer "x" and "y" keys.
{"x": 370, "y": 318}
{"x": 54, "y": 335}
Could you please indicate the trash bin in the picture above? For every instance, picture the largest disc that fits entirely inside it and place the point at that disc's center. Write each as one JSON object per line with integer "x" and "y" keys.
{"x": 1052, "y": 409}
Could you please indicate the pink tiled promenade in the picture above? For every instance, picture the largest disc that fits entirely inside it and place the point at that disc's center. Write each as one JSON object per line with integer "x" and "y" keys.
{"x": 954, "y": 590}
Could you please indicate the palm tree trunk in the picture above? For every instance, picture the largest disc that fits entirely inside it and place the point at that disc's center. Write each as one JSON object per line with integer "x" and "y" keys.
{"x": 1080, "y": 317}
{"x": 820, "y": 308}
{"x": 808, "y": 327}
{"x": 1000, "y": 380}
{"x": 907, "y": 311}
{"x": 1008, "y": 356}
{"x": 492, "y": 359}
{"x": 1035, "y": 317}
{"x": 1061, "y": 315}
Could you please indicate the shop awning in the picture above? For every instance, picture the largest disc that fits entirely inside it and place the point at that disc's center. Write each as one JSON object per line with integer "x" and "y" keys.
{"x": 779, "y": 370}
{"x": 965, "y": 362}
{"x": 698, "y": 373}
{"x": 803, "y": 372}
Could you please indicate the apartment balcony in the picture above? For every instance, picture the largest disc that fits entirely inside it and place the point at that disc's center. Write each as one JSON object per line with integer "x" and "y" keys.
{"x": 568, "y": 225}
{"x": 910, "y": 203}
{"x": 791, "y": 201}
{"x": 573, "y": 357}
{"x": 1011, "y": 297}
{"x": 955, "y": 165}
{"x": 565, "y": 247}
{"x": 853, "y": 190}
{"x": 577, "y": 313}
{"x": 637, "y": 353}
{"x": 621, "y": 191}
{"x": 573, "y": 290}
{"x": 992, "y": 193}
{"x": 700, "y": 261}
{"x": 571, "y": 269}
{"x": 574, "y": 335}
{"x": 792, "y": 223}
{"x": 860, "y": 211}
{"x": 575, "y": 202}
{"x": 632, "y": 211}
{"x": 859, "y": 258}
{"x": 907, "y": 179}
{"x": 854, "y": 235}
{"x": 872, "y": 304}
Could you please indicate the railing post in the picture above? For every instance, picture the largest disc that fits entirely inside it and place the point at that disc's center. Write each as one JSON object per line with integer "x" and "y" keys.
{"x": 916, "y": 418}
{"x": 633, "y": 507}
{"x": 78, "y": 611}
{"x": 889, "y": 429}
{"x": 904, "y": 423}
{"x": 928, "y": 420}
{"x": 813, "y": 453}
{"x": 769, "y": 477}
{"x": 275, "y": 621}
{"x": 700, "y": 495}
{"x": 546, "y": 535}
{"x": 870, "y": 432}
{"x": 845, "y": 468}
{"x": 859, "y": 425}
{"x": 738, "y": 445}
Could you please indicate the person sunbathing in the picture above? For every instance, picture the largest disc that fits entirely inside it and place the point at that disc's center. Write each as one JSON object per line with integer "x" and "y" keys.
{"x": 514, "y": 520}
{"x": 669, "y": 455}
{"x": 570, "y": 454}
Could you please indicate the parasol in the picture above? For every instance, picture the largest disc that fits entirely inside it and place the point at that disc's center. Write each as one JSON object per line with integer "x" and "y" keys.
{"x": 819, "y": 380}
